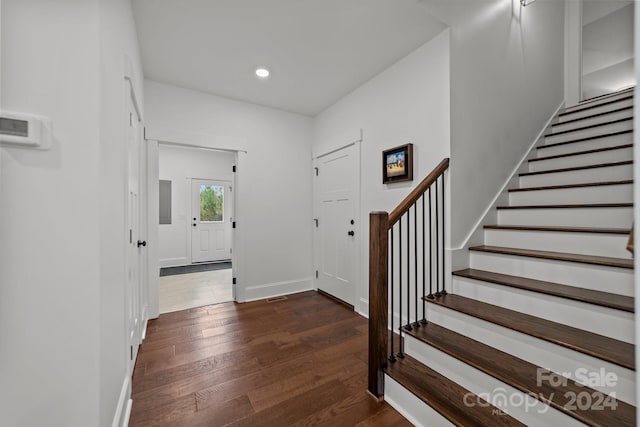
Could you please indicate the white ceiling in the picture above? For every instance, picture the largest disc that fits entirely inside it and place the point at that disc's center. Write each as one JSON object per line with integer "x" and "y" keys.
{"x": 317, "y": 50}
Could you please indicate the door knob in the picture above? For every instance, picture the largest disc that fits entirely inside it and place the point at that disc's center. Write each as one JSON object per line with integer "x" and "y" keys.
{"x": 351, "y": 233}
{"x": 142, "y": 243}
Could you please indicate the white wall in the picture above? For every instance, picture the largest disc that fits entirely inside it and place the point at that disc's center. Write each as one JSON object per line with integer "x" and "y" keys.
{"x": 274, "y": 216}
{"x": 117, "y": 40}
{"x": 179, "y": 165}
{"x": 407, "y": 103}
{"x": 62, "y": 334}
{"x": 507, "y": 73}
{"x": 49, "y": 211}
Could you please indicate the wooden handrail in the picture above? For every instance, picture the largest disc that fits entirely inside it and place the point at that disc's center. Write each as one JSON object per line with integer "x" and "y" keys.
{"x": 379, "y": 225}
{"x": 417, "y": 192}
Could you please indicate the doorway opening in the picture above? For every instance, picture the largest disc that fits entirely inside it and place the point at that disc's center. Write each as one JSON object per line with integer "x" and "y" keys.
{"x": 195, "y": 236}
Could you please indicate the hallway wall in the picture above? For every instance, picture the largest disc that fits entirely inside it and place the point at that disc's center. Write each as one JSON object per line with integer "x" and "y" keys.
{"x": 274, "y": 214}
{"x": 49, "y": 208}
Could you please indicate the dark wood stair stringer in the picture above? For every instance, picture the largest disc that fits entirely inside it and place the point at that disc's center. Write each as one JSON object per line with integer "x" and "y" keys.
{"x": 445, "y": 396}
{"x": 589, "y": 296}
{"x": 521, "y": 375}
{"x": 599, "y": 346}
{"x": 569, "y": 206}
{"x": 557, "y": 256}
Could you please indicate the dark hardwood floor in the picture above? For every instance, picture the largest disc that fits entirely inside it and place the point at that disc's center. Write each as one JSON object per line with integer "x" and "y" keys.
{"x": 299, "y": 361}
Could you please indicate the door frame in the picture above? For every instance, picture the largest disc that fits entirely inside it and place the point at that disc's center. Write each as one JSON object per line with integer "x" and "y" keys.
{"x": 153, "y": 226}
{"x": 359, "y": 226}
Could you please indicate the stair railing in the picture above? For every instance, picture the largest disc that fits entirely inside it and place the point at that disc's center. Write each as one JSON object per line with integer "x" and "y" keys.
{"x": 414, "y": 251}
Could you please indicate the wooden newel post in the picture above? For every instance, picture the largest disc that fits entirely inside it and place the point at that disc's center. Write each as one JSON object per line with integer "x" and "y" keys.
{"x": 378, "y": 300}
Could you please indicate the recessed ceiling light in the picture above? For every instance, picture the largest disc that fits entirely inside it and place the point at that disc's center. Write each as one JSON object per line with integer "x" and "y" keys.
{"x": 263, "y": 73}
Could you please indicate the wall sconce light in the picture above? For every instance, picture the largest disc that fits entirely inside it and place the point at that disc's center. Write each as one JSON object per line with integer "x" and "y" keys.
{"x": 526, "y": 2}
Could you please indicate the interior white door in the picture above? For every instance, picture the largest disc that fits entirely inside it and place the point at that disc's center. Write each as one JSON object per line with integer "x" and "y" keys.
{"x": 337, "y": 233}
{"x": 135, "y": 242}
{"x": 211, "y": 210}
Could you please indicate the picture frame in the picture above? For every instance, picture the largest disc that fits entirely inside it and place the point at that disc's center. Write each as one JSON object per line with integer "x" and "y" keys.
{"x": 397, "y": 164}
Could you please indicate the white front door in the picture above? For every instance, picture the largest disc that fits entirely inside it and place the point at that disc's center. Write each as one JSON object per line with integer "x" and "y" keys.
{"x": 337, "y": 233}
{"x": 135, "y": 239}
{"x": 211, "y": 210}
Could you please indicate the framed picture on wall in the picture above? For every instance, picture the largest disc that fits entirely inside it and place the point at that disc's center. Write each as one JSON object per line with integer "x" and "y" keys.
{"x": 397, "y": 164}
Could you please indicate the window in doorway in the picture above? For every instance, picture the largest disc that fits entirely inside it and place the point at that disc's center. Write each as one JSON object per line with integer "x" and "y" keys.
{"x": 211, "y": 203}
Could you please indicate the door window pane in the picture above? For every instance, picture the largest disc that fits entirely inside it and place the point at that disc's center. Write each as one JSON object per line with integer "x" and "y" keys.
{"x": 211, "y": 203}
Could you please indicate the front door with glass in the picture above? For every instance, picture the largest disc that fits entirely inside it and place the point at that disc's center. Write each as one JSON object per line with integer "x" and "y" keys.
{"x": 210, "y": 220}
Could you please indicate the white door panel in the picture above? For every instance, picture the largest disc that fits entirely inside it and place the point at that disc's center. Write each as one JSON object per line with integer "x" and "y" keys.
{"x": 211, "y": 210}
{"x": 336, "y": 200}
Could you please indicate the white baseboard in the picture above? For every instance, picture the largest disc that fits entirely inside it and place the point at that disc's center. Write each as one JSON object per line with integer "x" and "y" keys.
{"x": 123, "y": 409}
{"x": 270, "y": 290}
{"x": 174, "y": 262}
{"x": 363, "y": 309}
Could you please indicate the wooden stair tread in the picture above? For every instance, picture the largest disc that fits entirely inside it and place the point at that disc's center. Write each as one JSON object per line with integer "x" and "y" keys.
{"x": 444, "y": 396}
{"x": 553, "y": 228}
{"x": 592, "y": 116}
{"x": 564, "y": 186}
{"x": 597, "y": 125}
{"x": 599, "y": 346}
{"x": 521, "y": 375}
{"x": 580, "y": 153}
{"x": 604, "y": 299}
{"x": 569, "y": 206}
{"x": 558, "y": 256}
{"x": 589, "y": 104}
{"x": 587, "y": 138}
{"x": 576, "y": 168}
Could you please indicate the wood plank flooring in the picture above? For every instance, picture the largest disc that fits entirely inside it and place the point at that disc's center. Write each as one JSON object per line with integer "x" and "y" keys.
{"x": 299, "y": 361}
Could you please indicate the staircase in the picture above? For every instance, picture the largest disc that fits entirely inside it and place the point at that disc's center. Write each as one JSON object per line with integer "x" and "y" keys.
{"x": 539, "y": 330}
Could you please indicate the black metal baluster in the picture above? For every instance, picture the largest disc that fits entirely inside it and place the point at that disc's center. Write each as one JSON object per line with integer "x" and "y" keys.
{"x": 444, "y": 262}
{"x": 430, "y": 296}
{"x": 424, "y": 290}
{"x": 409, "y": 328}
{"x": 438, "y": 293}
{"x": 392, "y": 357}
{"x": 400, "y": 353}
{"x": 415, "y": 260}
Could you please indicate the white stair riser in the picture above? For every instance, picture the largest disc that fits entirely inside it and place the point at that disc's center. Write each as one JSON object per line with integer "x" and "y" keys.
{"x": 622, "y": 193}
{"x": 567, "y": 217}
{"x": 590, "y": 132}
{"x": 613, "y": 323}
{"x": 605, "y": 100}
{"x": 599, "y": 244}
{"x": 537, "y": 351}
{"x": 614, "y": 115}
{"x": 591, "y": 144}
{"x": 413, "y": 409}
{"x": 511, "y": 400}
{"x": 580, "y": 176}
{"x": 599, "y": 157}
{"x": 599, "y": 278}
{"x": 596, "y": 110}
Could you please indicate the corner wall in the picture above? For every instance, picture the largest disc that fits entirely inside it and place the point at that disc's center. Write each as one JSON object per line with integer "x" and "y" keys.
{"x": 507, "y": 74}
{"x": 407, "y": 103}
